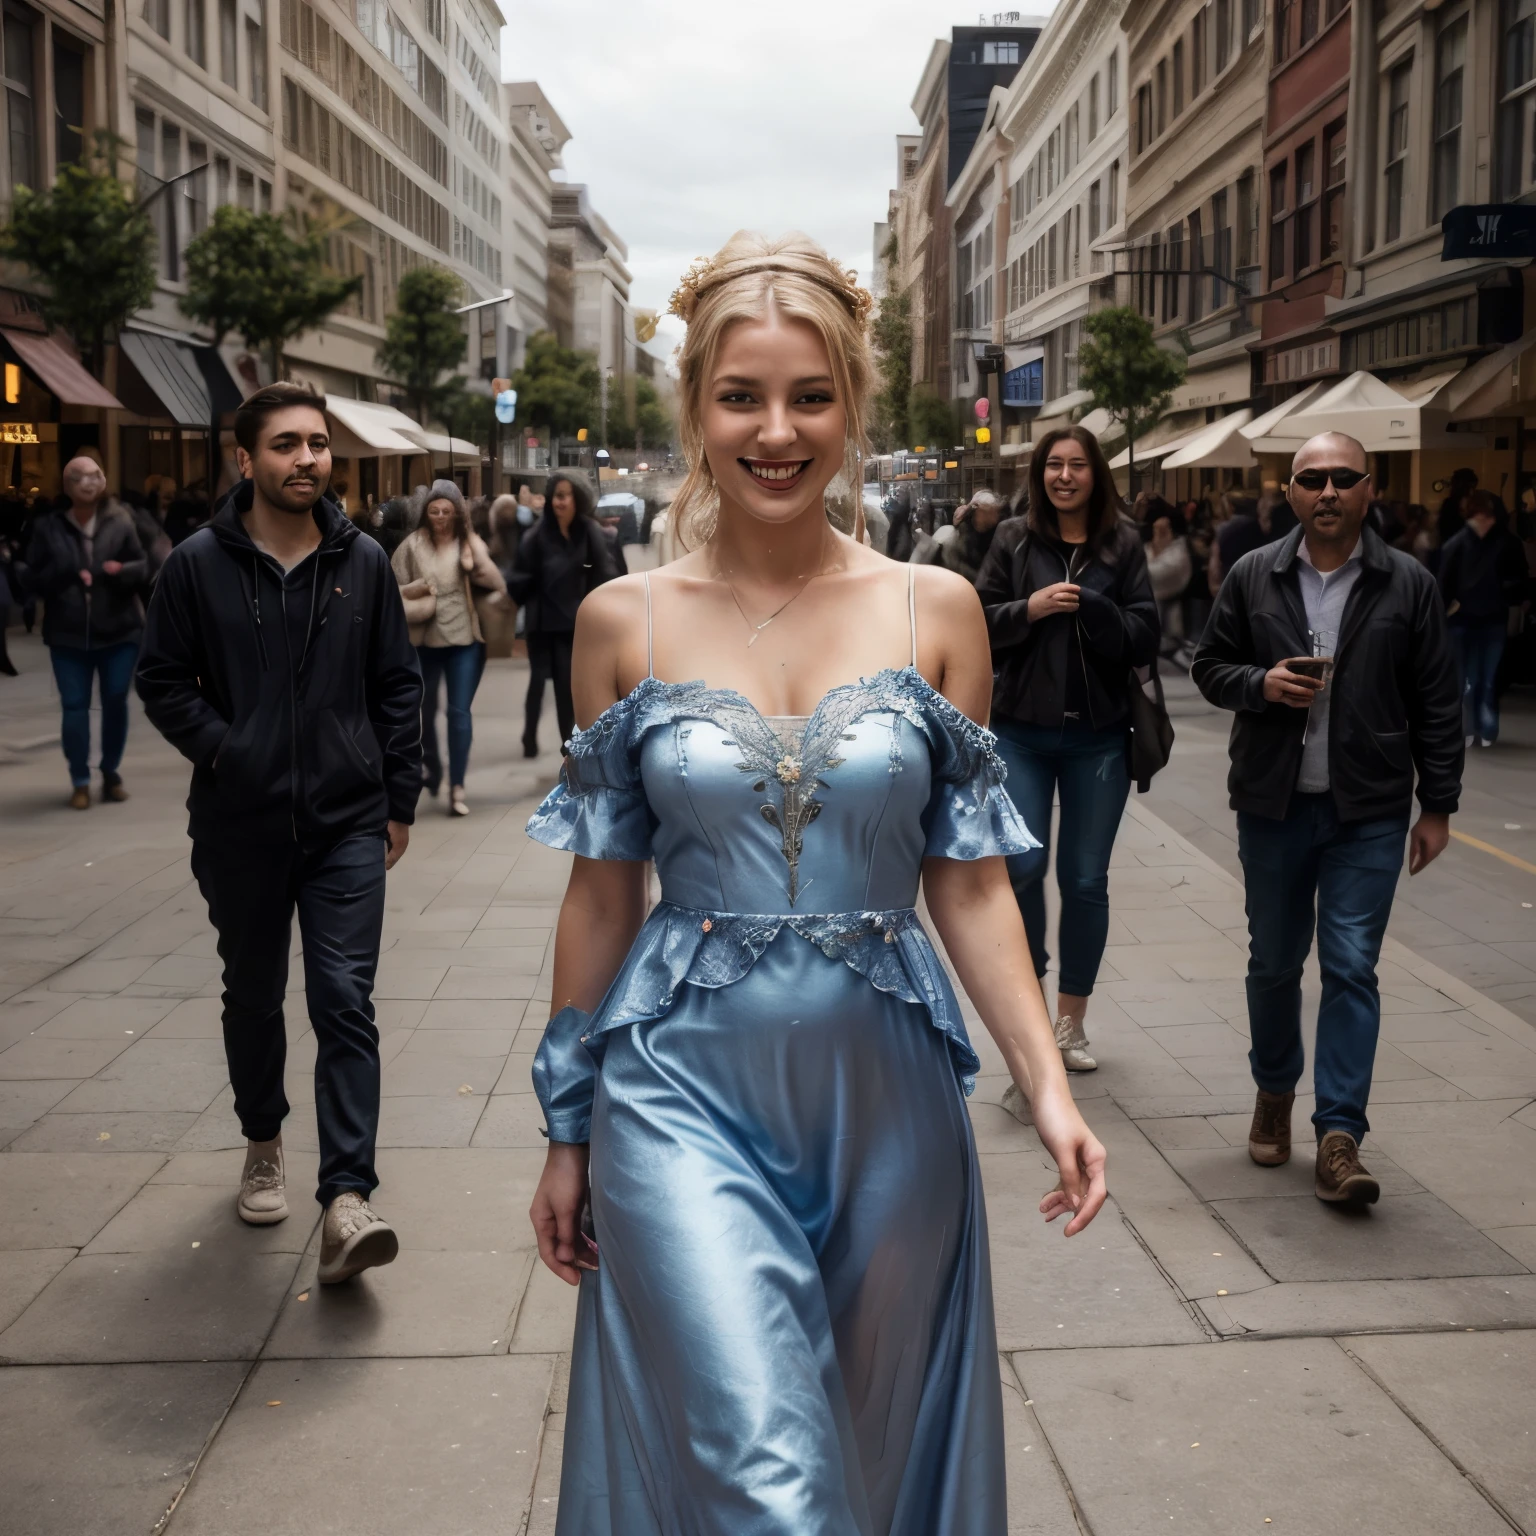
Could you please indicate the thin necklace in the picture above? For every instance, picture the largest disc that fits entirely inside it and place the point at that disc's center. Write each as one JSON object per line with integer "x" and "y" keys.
{"x": 757, "y": 629}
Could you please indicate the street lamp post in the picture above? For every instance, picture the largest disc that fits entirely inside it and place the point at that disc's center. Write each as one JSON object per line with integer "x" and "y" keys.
{"x": 467, "y": 309}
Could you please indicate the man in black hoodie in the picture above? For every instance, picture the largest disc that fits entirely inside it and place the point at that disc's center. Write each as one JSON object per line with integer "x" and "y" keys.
{"x": 276, "y": 659}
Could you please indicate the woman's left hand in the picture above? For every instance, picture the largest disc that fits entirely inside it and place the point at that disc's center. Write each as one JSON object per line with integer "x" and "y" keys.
{"x": 1079, "y": 1156}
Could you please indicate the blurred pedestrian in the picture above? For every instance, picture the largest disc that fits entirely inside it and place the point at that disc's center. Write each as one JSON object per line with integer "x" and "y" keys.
{"x": 559, "y": 560}
{"x": 1482, "y": 573}
{"x": 440, "y": 569}
{"x": 1330, "y": 649}
{"x": 1169, "y": 569}
{"x": 975, "y": 526}
{"x": 1453, "y": 509}
{"x": 276, "y": 659}
{"x": 1070, "y": 612}
{"x": 87, "y": 565}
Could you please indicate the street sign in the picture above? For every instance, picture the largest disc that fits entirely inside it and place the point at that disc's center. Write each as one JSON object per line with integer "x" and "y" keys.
{"x": 1493, "y": 231}
{"x": 506, "y": 404}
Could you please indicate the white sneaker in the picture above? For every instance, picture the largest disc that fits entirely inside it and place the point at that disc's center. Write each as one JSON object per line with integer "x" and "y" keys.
{"x": 262, "y": 1200}
{"x": 1073, "y": 1045}
{"x": 1471, "y": 741}
{"x": 354, "y": 1237}
{"x": 1487, "y": 741}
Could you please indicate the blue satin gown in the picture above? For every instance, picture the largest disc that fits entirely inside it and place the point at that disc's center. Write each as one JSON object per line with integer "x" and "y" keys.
{"x": 791, "y": 1329}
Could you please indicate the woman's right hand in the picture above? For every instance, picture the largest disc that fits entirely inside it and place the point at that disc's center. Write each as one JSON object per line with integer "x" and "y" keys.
{"x": 556, "y": 1211}
{"x": 1059, "y": 597}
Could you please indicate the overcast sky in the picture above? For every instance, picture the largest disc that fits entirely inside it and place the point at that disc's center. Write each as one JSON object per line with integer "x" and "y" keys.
{"x": 694, "y": 118}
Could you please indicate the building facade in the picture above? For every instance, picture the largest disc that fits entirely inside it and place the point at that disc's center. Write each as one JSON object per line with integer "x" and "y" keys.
{"x": 536, "y": 138}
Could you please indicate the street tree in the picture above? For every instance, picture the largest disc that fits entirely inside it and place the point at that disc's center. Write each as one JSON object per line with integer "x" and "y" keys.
{"x": 892, "y": 338}
{"x": 91, "y": 246}
{"x": 424, "y": 338}
{"x": 931, "y": 420}
{"x": 653, "y": 426}
{"x": 1126, "y": 372}
{"x": 557, "y": 388}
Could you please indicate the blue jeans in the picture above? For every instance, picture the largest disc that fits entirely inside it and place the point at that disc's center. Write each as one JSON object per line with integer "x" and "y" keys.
{"x": 252, "y": 892}
{"x": 1479, "y": 648}
{"x": 460, "y": 666}
{"x": 1312, "y": 863}
{"x": 73, "y": 671}
{"x": 1089, "y": 770}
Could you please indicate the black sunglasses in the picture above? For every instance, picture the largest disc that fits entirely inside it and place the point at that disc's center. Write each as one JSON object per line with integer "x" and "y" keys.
{"x": 1316, "y": 479}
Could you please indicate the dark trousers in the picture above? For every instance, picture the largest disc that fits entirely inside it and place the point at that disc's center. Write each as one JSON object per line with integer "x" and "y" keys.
{"x": 549, "y": 659}
{"x": 1342, "y": 875}
{"x": 252, "y": 892}
{"x": 1479, "y": 649}
{"x": 1088, "y": 769}
{"x": 75, "y": 671}
{"x": 460, "y": 666}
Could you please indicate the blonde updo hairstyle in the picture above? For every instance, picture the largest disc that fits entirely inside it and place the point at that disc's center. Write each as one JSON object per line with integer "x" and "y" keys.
{"x": 748, "y": 276}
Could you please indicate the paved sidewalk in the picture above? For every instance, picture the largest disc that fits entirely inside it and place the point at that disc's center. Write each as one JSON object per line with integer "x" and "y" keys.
{"x": 1218, "y": 1351}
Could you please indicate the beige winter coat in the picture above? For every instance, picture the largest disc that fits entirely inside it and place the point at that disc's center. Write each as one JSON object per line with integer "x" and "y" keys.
{"x": 415, "y": 569}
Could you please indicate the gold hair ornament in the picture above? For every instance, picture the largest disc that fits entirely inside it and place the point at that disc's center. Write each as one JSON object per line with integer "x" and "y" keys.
{"x": 707, "y": 273}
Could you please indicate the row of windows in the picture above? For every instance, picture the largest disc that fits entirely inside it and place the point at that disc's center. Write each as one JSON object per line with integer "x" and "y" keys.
{"x": 379, "y": 24}
{"x": 973, "y": 280}
{"x": 1218, "y": 33}
{"x": 334, "y": 61}
{"x": 1440, "y": 328}
{"x": 194, "y": 41}
{"x": 480, "y": 76}
{"x": 1057, "y": 255}
{"x": 357, "y": 248}
{"x": 18, "y": 66}
{"x": 476, "y": 195}
{"x": 476, "y": 252}
{"x": 1306, "y": 212}
{"x": 1060, "y": 152}
{"x": 473, "y": 128}
{"x": 326, "y": 142}
{"x": 1297, "y": 22}
{"x": 1187, "y": 272}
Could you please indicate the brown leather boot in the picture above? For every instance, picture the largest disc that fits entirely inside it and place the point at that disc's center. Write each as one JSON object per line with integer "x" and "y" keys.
{"x": 80, "y": 798}
{"x": 1269, "y": 1137}
{"x": 112, "y": 788}
{"x": 1340, "y": 1176}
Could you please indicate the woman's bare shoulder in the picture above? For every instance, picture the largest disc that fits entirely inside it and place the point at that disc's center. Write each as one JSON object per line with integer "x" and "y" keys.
{"x": 610, "y": 611}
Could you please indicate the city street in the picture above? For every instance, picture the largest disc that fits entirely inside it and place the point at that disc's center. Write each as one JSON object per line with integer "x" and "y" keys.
{"x": 1218, "y": 1353}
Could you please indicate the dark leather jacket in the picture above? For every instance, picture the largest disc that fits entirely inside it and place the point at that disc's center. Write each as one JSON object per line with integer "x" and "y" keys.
{"x": 1396, "y": 696}
{"x": 1115, "y": 626}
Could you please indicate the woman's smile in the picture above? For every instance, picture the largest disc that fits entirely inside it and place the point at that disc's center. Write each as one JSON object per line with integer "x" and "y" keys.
{"x": 777, "y": 474}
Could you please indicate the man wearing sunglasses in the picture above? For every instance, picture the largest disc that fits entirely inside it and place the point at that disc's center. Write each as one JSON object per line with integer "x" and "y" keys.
{"x": 1331, "y": 649}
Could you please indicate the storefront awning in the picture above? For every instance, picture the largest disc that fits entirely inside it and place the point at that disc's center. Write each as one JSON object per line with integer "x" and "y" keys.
{"x": 1271, "y": 432}
{"x": 1382, "y": 417}
{"x": 1220, "y": 446}
{"x": 59, "y": 371}
{"x": 1491, "y": 385}
{"x": 192, "y": 382}
{"x": 1162, "y": 438}
{"x": 440, "y": 446}
{"x": 366, "y": 430}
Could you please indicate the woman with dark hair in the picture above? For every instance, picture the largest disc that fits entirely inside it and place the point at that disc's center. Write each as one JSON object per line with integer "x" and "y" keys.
{"x": 559, "y": 560}
{"x": 1070, "y": 612}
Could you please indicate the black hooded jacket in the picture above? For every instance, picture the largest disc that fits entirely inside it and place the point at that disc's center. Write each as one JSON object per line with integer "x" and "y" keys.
{"x": 108, "y": 612}
{"x": 296, "y": 695}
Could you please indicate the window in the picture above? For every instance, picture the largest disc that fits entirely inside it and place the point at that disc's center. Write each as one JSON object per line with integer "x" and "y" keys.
{"x": 1450, "y": 62}
{"x": 1093, "y": 109}
{"x": 437, "y": 19}
{"x": 1114, "y": 195}
{"x": 1309, "y": 18}
{"x": 1197, "y": 259}
{"x": 1113, "y": 104}
{"x": 165, "y": 204}
{"x": 1306, "y": 196}
{"x": 1517, "y": 96}
{"x": 1162, "y": 95}
{"x": 20, "y": 110}
{"x": 195, "y": 188}
{"x": 256, "y": 55}
{"x": 1247, "y": 220}
{"x": 245, "y": 195}
{"x": 1000, "y": 53}
{"x": 1252, "y": 11}
{"x": 1285, "y": 15}
{"x": 68, "y": 102}
{"x": 1223, "y": 34}
{"x": 229, "y": 41}
{"x": 1397, "y": 146}
{"x": 1221, "y": 249}
{"x": 195, "y": 32}
{"x": 1197, "y": 50}
{"x": 1333, "y": 9}
{"x": 1170, "y": 277}
{"x": 1095, "y": 227}
{"x": 1070, "y": 154}
{"x": 220, "y": 180}
{"x": 1178, "y": 77}
{"x": 158, "y": 14}
{"x": 1050, "y": 258}
{"x": 1277, "y": 212}
{"x": 1143, "y": 117}
{"x": 1334, "y": 157}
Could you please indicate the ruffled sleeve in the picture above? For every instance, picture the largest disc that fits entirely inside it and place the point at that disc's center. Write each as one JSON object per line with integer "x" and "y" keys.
{"x": 969, "y": 813}
{"x": 565, "y": 1077}
{"x": 599, "y": 809}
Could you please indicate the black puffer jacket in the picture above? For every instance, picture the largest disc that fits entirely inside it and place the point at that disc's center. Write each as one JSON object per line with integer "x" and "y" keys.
{"x": 1115, "y": 627}
{"x": 109, "y": 611}
{"x": 1395, "y": 699}
{"x": 309, "y": 742}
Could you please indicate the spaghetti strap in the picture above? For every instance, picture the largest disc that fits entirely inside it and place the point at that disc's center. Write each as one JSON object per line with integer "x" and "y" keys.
{"x": 650, "y": 644}
{"x": 912, "y": 609}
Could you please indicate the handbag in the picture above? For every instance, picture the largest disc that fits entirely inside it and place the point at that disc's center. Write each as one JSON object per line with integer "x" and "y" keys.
{"x": 1151, "y": 733}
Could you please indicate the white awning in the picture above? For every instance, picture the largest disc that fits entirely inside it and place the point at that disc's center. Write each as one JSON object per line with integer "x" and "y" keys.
{"x": 1122, "y": 460}
{"x": 1270, "y": 433}
{"x": 1220, "y": 446}
{"x": 1491, "y": 384}
{"x": 441, "y": 446}
{"x": 367, "y": 430}
{"x": 1380, "y": 417}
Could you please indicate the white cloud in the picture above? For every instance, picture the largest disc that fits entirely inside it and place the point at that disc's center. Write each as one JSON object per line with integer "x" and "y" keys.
{"x": 695, "y": 118}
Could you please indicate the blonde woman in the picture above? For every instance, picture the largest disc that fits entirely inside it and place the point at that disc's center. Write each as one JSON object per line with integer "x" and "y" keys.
{"x": 785, "y": 1323}
{"x": 440, "y": 567}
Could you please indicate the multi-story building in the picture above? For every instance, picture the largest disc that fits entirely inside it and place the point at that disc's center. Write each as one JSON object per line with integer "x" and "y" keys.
{"x": 1064, "y": 120}
{"x": 537, "y": 137}
{"x": 1197, "y": 77}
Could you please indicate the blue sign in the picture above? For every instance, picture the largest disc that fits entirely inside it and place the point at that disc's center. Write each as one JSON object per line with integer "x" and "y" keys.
{"x": 506, "y": 406}
{"x": 1025, "y": 385}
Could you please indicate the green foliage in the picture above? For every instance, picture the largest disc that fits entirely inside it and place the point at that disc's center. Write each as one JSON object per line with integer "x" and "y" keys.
{"x": 652, "y": 423}
{"x": 1125, "y": 370}
{"x": 89, "y": 244}
{"x": 249, "y": 274}
{"x": 892, "y": 337}
{"x": 464, "y": 413}
{"x": 424, "y": 338}
{"x": 556, "y": 387}
{"x": 931, "y": 420}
